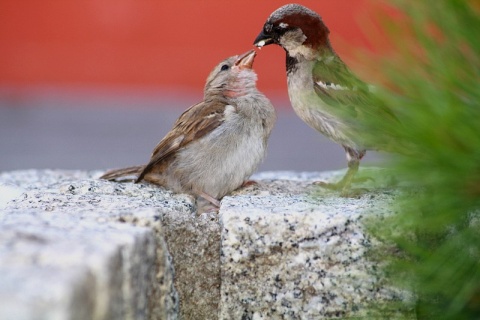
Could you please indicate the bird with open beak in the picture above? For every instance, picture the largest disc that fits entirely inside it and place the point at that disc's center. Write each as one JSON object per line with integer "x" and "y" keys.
{"x": 215, "y": 145}
{"x": 323, "y": 92}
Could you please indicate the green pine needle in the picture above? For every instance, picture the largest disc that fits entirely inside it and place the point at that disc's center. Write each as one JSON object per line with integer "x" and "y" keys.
{"x": 434, "y": 88}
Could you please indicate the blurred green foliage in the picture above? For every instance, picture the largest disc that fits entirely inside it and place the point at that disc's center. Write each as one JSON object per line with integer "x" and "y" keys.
{"x": 434, "y": 88}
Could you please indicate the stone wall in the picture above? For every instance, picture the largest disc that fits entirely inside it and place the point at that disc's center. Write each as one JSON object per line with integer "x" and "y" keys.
{"x": 75, "y": 247}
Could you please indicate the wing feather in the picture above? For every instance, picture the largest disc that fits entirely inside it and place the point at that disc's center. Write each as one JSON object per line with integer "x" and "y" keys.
{"x": 194, "y": 123}
{"x": 339, "y": 88}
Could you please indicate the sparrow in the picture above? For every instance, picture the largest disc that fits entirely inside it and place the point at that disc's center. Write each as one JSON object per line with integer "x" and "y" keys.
{"x": 323, "y": 92}
{"x": 215, "y": 145}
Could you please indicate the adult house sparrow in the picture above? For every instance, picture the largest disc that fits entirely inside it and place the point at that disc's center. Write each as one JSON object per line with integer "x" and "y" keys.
{"x": 215, "y": 145}
{"x": 322, "y": 90}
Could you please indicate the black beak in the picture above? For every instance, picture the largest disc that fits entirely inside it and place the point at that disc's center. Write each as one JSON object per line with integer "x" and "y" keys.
{"x": 263, "y": 39}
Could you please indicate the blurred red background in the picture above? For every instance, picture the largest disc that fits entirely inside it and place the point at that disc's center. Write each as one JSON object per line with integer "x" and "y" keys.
{"x": 146, "y": 43}
{"x": 89, "y": 84}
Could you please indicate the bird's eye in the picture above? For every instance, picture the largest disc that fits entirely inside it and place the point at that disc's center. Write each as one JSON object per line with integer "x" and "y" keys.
{"x": 224, "y": 67}
{"x": 280, "y": 28}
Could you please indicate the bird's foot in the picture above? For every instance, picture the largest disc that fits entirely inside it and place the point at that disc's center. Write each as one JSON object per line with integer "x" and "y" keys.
{"x": 209, "y": 209}
{"x": 342, "y": 183}
{"x": 206, "y": 207}
{"x": 249, "y": 183}
{"x": 327, "y": 185}
{"x": 353, "y": 192}
{"x": 363, "y": 179}
{"x": 345, "y": 190}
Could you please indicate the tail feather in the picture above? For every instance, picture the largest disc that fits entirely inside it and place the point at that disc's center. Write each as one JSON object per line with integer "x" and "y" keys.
{"x": 120, "y": 173}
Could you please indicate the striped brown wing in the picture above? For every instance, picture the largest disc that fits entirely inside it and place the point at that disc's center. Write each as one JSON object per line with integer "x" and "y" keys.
{"x": 195, "y": 122}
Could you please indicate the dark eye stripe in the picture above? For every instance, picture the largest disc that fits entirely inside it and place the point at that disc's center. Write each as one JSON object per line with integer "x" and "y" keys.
{"x": 268, "y": 28}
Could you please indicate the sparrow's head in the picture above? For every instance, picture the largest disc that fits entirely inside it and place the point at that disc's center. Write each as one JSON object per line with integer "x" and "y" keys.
{"x": 294, "y": 27}
{"x": 233, "y": 77}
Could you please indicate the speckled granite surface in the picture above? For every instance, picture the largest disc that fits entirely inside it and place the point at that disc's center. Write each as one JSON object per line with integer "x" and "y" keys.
{"x": 293, "y": 251}
{"x": 280, "y": 249}
{"x": 74, "y": 247}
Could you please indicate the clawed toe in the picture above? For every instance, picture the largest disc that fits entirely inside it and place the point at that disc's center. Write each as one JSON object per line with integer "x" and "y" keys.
{"x": 353, "y": 193}
{"x": 249, "y": 183}
{"x": 345, "y": 190}
{"x": 363, "y": 179}
{"x": 327, "y": 185}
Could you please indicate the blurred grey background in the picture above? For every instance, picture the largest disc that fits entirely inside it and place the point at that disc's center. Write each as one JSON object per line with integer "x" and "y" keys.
{"x": 62, "y": 129}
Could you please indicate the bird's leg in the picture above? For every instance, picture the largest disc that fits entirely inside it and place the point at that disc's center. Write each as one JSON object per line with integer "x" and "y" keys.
{"x": 209, "y": 198}
{"x": 346, "y": 182}
{"x": 353, "y": 158}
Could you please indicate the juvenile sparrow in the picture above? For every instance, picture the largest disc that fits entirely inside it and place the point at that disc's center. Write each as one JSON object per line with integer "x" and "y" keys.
{"x": 215, "y": 145}
{"x": 322, "y": 90}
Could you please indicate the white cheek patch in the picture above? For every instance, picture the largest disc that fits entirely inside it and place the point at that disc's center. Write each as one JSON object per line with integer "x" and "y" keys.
{"x": 331, "y": 86}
